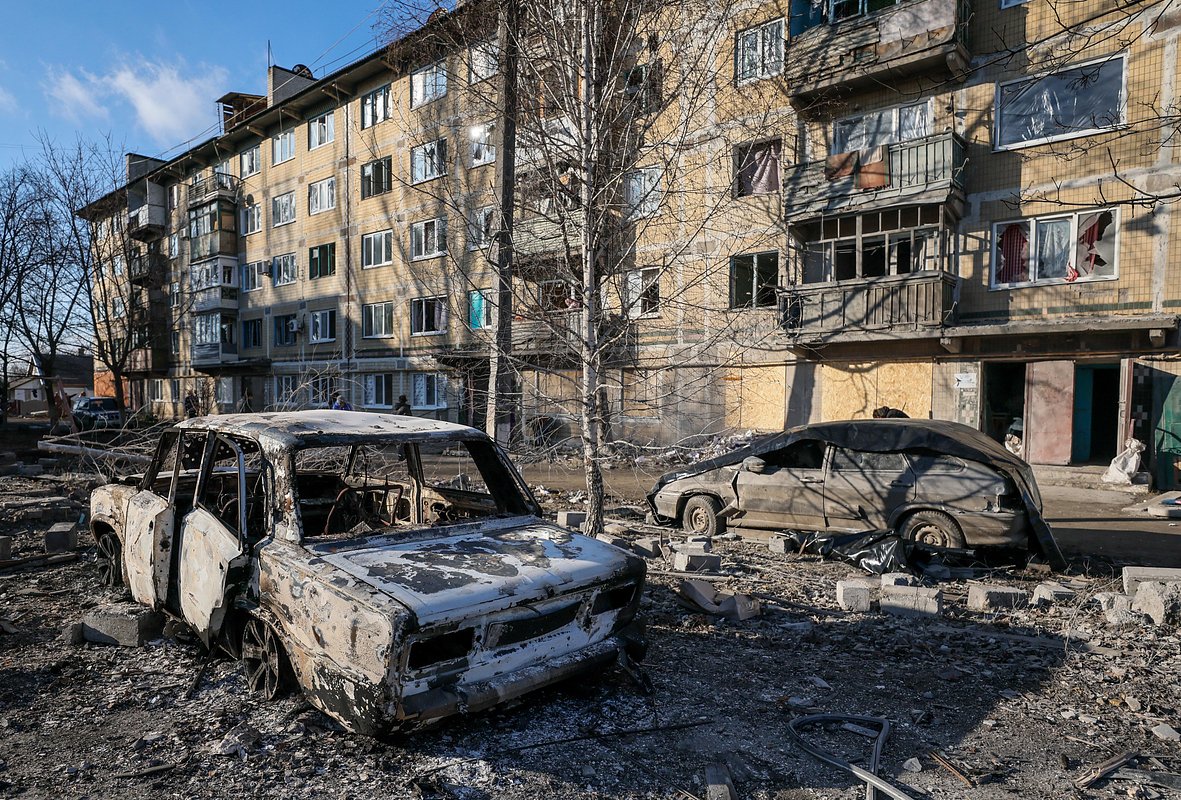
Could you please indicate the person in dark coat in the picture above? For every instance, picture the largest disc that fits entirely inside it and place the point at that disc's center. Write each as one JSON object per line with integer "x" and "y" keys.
{"x": 192, "y": 406}
{"x": 403, "y": 406}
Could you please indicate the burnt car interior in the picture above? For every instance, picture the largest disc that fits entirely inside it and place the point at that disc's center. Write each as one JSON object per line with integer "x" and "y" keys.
{"x": 352, "y": 490}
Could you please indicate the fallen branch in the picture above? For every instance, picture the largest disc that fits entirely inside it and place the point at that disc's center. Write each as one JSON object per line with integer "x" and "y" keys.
{"x": 943, "y": 761}
{"x": 141, "y": 773}
{"x": 1102, "y": 770}
{"x": 44, "y": 559}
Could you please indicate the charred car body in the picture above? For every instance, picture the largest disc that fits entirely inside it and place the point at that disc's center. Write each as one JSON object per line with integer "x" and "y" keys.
{"x": 396, "y": 568}
{"x": 935, "y": 482}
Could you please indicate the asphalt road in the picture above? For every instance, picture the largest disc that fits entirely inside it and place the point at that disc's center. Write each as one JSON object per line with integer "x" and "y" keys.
{"x": 1085, "y": 521}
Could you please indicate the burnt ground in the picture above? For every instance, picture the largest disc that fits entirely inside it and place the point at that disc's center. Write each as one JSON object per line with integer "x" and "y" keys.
{"x": 1023, "y": 718}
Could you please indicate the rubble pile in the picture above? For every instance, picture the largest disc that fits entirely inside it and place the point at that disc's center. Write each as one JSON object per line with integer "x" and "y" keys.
{"x": 998, "y": 683}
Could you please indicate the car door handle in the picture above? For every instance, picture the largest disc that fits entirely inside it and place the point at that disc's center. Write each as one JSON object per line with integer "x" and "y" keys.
{"x": 811, "y": 480}
{"x": 901, "y": 484}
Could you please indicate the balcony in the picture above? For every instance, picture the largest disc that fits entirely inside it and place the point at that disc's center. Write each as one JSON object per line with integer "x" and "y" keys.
{"x": 213, "y": 186}
{"x": 147, "y": 360}
{"x": 215, "y": 298}
{"x": 147, "y": 223}
{"x": 910, "y": 306}
{"x": 213, "y": 355}
{"x": 146, "y": 269}
{"x": 916, "y": 172}
{"x": 210, "y": 245}
{"x": 543, "y": 236}
{"x": 555, "y": 336}
{"x": 914, "y": 37}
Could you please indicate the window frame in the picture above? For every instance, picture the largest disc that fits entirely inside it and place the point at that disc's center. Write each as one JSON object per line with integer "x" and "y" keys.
{"x": 246, "y": 217}
{"x": 649, "y": 205}
{"x": 252, "y": 342}
{"x": 739, "y": 79}
{"x": 315, "y": 319}
{"x": 864, "y": 11}
{"x": 896, "y": 113}
{"x": 250, "y": 156}
{"x": 256, "y": 270}
{"x": 741, "y": 153}
{"x": 368, "y": 318}
{"x": 324, "y": 123}
{"x": 276, "y": 140}
{"x": 754, "y": 304}
{"x": 293, "y": 274}
{"x": 316, "y": 269}
{"x": 634, "y": 307}
{"x": 289, "y": 339}
{"x": 387, "y": 238}
{"x": 276, "y": 219}
{"x": 370, "y": 98}
{"x": 317, "y": 188}
{"x": 486, "y": 146}
{"x": 438, "y": 159}
{"x": 484, "y": 47}
{"x": 418, "y": 313}
{"x": 481, "y": 233}
{"x": 1034, "y": 222}
{"x": 1061, "y": 137}
{"x": 440, "y": 237}
{"x": 367, "y": 183}
{"x": 437, "y": 69}
{"x": 485, "y": 306}
{"x": 384, "y": 380}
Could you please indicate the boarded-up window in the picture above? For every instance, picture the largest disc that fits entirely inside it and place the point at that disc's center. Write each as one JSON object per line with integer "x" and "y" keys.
{"x": 757, "y": 168}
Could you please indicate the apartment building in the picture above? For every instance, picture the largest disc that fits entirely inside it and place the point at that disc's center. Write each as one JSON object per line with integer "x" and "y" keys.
{"x": 938, "y": 206}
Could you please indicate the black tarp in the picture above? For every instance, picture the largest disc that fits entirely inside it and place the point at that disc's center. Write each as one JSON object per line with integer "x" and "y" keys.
{"x": 895, "y": 435}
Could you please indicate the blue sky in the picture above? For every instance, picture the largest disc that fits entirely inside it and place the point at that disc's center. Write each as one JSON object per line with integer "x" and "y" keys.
{"x": 148, "y": 73}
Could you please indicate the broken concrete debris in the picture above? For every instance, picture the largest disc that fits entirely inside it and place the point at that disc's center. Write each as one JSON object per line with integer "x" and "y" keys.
{"x": 696, "y": 562}
{"x": 1050, "y": 593}
{"x": 896, "y": 579}
{"x": 718, "y": 783}
{"x": 703, "y": 596}
{"x": 854, "y": 596}
{"x": 911, "y": 601}
{"x": 1159, "y": 601}
{"x": 912, "y": 765}
{"x": 996, "y": 598}
{"x": 1166, "y": 732}
{"x": 61, "y": 537}
{"x": 572, "y": 519}
{"x": 1134, "y": 576}
{"x": 123, "y": 624}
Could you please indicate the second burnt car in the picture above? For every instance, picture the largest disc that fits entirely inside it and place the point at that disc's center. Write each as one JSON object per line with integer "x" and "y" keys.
{"x": 396, "y": 569}
{"x": 935, "y": 482}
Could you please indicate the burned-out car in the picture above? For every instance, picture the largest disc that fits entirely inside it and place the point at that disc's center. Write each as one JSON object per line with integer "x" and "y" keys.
{"x": 935, "y": 482}
{"x": 397, "y": 569}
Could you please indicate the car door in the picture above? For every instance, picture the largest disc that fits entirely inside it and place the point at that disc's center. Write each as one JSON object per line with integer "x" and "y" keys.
{"x": 863, "y": 489}
{"x": 212, "y": 554}
{"x": 788, "y": 493}
{"x": 148, "y": 525}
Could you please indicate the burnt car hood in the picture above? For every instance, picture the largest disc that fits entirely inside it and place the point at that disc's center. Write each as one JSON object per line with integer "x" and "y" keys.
{"x": 893, "y": 435}
{"x": 477, "y": 568}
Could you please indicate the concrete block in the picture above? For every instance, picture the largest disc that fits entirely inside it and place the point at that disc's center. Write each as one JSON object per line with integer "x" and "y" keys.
{"x": 704, "y": 543}
{"x": 696, "y": 562}
{"x": 61, "y": 537}
{"x": 617, "y": 529}
{"x": 1160, "y": 601}
{"x": 1134, "y": 576}
{"x": 911, "y": 601}
{"x": 1113, "y": 601}
{"x": 123, "y": 624}
{"x": 615, "y": 541}
{"x": 648, "y": 547}
{"x": 896, "y": 579}
{"x": 995, "y": 598}
{"x": 778, "y": 544}
{"x": 1050, "y": 594}
{"x": 31, "y": 470}
{"x": 572, "y": 519}
{"x": 5, "y": 548}
{"x": 853, "y": 596}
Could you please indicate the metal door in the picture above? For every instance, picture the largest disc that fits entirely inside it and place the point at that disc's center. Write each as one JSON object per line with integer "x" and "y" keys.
{"x": 1049, "y": 412}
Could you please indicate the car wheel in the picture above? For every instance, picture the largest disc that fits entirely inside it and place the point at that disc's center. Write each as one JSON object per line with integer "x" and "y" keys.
{"x": 701, "y": 516}
{"x": 933, "y": 528}
{"x": 110, "y": 560}
{"x": 264, "y": 660}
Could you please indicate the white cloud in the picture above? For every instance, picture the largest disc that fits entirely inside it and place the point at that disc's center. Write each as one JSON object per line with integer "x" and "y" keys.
{"x": 73, "y": 98}
{"x": 168, "y": 105}
{"x": 8, "y": 103}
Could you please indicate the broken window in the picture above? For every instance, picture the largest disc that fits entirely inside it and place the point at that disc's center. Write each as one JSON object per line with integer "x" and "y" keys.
{"x": 233, "y": 489}
{"x": 377, "y": 177}
{"x": 808, "y": 454}
{"x": 758, "y": 52}
{"x": 375, "y": 107}
{"x": 428, "y": 238}
{"x": 483, "y": 144}
{"x": 1075, "y": 101}
{"x": 1059, "y": 248}
{"x": 878, "y": 128}
{"x": 428, "y": 161}
{"x": 847, "y": 9}
{"x": 642, "y": 292}
{"x": 428, "y": 315}
{"x": 641, "y": 192}
{"x": 861, "y": 461}
{"x": 753, "y": 280}
{"x": 427, "y": 84}
{"x": 756, "y": 168}
{"x": 895, "y": 241}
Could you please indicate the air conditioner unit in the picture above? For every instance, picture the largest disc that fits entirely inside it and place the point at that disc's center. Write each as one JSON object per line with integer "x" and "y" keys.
{"x": 266, "y": 268}
{"x": 294, "y": 325}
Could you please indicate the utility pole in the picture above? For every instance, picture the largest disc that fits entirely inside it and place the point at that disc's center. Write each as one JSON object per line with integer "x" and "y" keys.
{"x": 502, "y": 384}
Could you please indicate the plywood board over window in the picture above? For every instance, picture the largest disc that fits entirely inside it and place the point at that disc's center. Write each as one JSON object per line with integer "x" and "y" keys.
{"x": 854, "y": 390}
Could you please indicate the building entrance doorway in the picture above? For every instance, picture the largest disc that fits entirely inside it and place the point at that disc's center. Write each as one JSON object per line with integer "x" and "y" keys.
{"x": 1096, "y": 413}
{"x": 1004, "y": 398}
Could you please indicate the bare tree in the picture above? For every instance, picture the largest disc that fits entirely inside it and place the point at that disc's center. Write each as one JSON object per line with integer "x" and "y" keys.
{"x": 19, "y": 231}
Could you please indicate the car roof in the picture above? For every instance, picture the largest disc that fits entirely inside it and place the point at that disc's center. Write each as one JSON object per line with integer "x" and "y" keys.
{"x": 323, "y": 428}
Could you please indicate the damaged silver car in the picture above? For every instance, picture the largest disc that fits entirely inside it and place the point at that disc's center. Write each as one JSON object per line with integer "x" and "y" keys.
{"x": 396, "y": 569}
{"x": 935, "y": 482}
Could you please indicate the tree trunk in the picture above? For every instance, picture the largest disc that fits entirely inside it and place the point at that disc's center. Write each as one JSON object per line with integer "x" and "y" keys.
{"x": 502, "y": 388}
